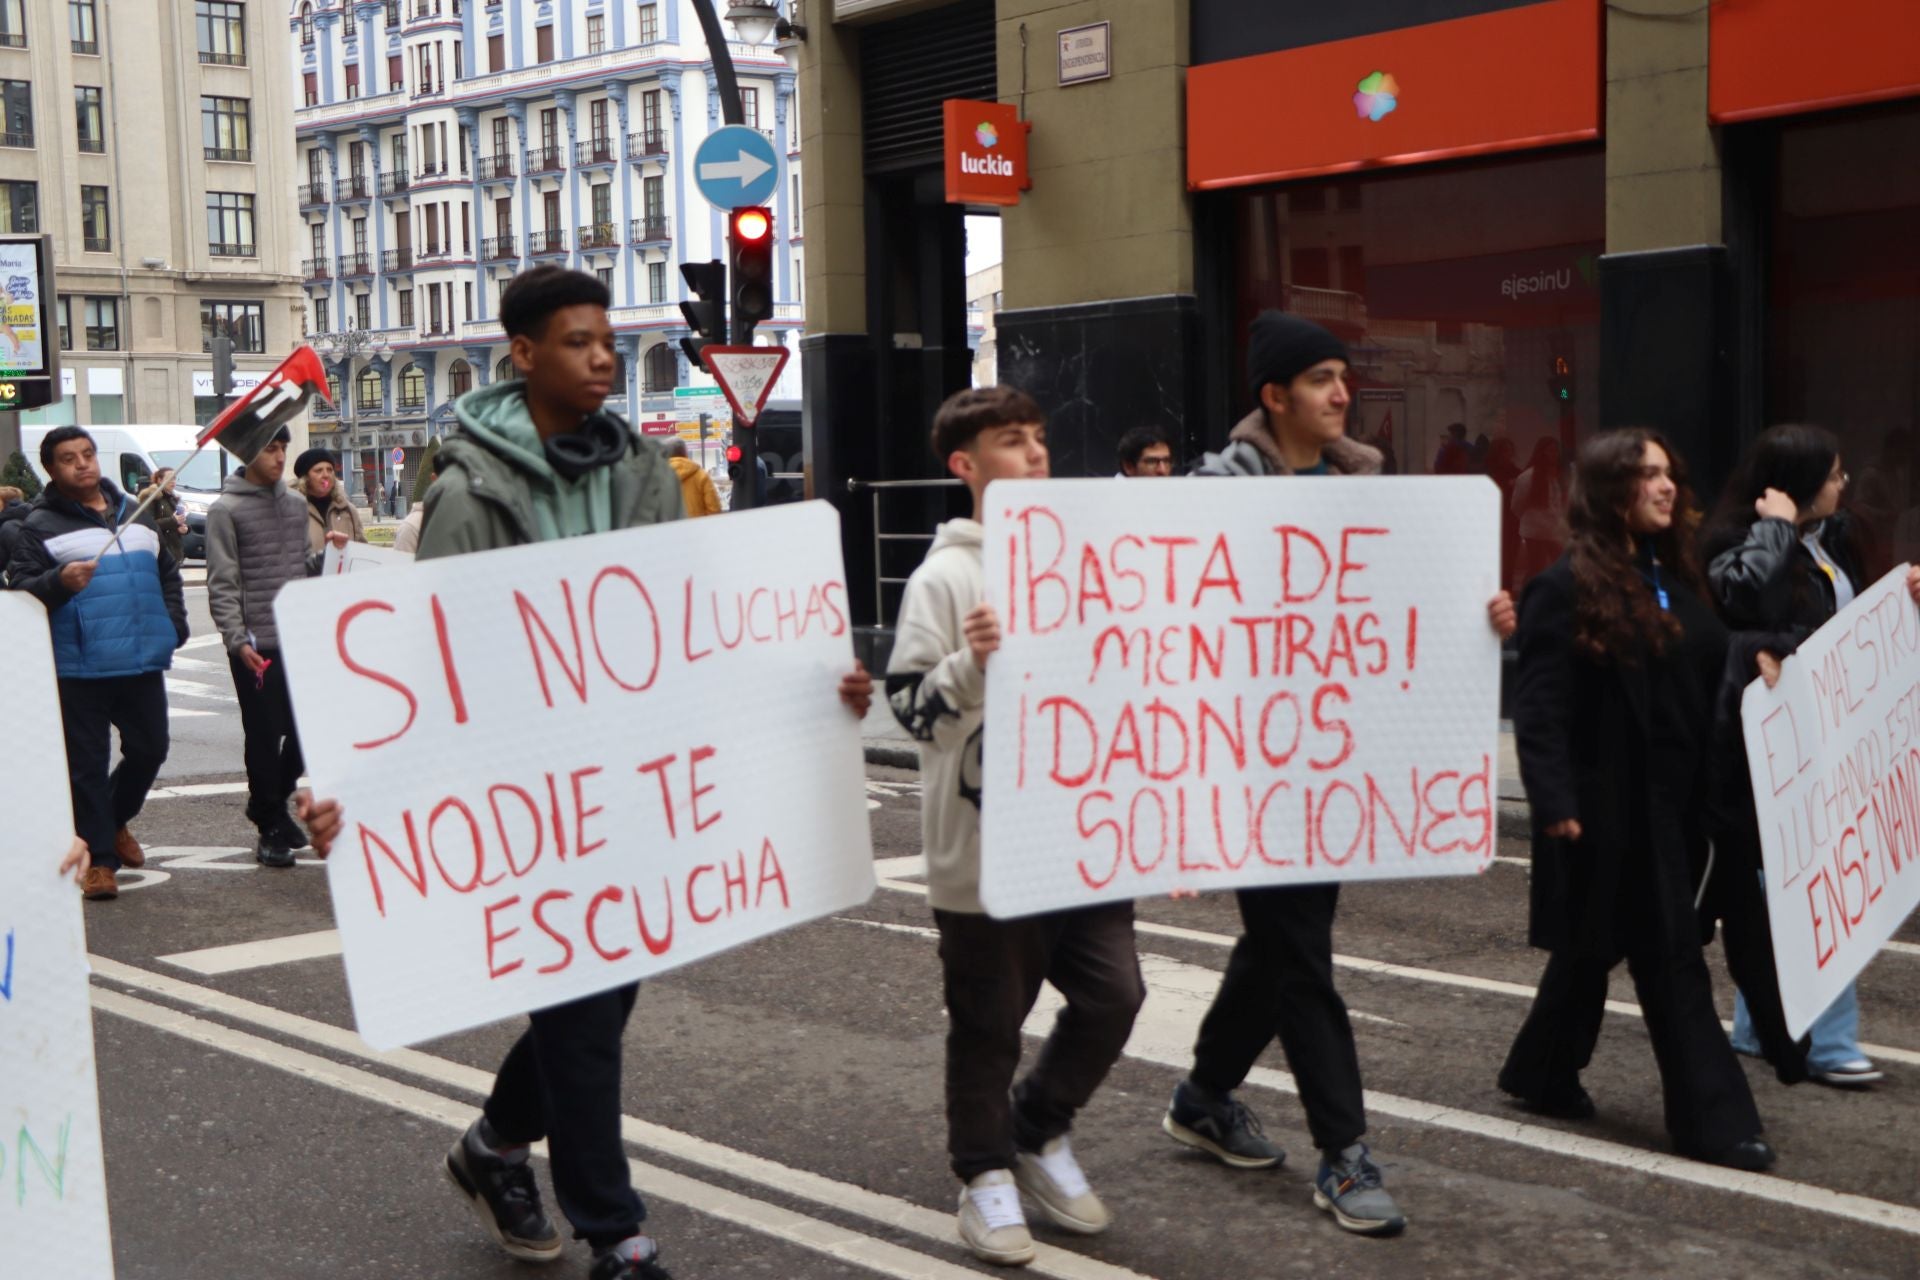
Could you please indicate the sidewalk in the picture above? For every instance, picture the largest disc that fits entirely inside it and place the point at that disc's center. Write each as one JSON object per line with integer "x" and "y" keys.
{"x": 887, "y": 743}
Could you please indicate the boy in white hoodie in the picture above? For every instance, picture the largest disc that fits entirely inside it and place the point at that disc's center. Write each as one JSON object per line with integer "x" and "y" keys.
{"x": 1000, "y": 1145}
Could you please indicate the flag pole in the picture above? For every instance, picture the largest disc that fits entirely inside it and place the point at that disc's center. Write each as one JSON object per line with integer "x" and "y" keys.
{"x": 144, "y": 504}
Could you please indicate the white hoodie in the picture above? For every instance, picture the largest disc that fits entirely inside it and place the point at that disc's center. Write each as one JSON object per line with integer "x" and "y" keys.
{"x": 938, "y": 693}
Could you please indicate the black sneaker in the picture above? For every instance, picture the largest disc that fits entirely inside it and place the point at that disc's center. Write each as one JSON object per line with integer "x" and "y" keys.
{"x": 288, "y": 833}
{"x": 271, "y": 852}
{"x": 506, "y": 1200}
{"x": 1220, "y": 1125}
{"x": 635, "y": 1258}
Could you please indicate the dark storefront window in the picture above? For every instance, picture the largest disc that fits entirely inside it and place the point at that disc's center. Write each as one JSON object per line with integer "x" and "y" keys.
{"x": 1843, "y": 323}
{"x": 1468, "y": 297}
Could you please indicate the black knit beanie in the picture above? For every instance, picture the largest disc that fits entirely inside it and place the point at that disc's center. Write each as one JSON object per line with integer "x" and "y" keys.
{"x": 1280, "y": 347}
{"x": 311, "y": 459}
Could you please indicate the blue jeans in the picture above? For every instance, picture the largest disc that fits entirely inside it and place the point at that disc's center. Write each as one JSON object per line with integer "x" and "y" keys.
{"x": 1836, "y": 1033}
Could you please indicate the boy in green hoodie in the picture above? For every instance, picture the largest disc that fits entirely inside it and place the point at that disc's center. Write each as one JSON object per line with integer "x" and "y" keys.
{"x": 534, "y": 459}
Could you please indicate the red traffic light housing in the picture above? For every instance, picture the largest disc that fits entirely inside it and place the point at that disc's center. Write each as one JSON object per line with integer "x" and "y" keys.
{"x": 750, "y": 270}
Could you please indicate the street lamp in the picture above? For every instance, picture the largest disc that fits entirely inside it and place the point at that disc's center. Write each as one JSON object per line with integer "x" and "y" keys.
{"x": 753, "y": 19}
{"x": 348, "y": 344}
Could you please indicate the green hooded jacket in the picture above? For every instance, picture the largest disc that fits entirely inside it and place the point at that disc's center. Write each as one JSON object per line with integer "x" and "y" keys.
{"x": 496, "y": 489}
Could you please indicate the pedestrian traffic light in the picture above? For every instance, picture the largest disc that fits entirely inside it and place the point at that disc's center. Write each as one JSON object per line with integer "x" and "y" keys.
{"x": 751, "y": 244}
{"x": 743, "y": 459}
{"x": 1560, "y": 383}
{"x": 707, "y": 313}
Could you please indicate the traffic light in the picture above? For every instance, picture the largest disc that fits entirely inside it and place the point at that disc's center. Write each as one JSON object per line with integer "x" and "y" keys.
{"x": 1560, "y": 384}
{"x": 750, "y": 242}
{"x": 743, "y": 468}
{"x": 25, "y": 393}
{"x": 707, "y": 313}
{"x": 222, "y": 351}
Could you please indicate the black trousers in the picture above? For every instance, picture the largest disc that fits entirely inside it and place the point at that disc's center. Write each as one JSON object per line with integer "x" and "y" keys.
{"x": 1708, "y": 1104}
{"x": 1280, "y": 983}
{"x": 90, "y": 710}
{"x": 273, "y": 745}
{"x": 992, "y": 971}
{"x": 561, "y": 1082}
{"x": 1746, "y": 935}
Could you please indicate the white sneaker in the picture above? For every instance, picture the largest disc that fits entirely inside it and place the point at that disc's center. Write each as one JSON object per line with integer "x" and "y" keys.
{"x": 1053, "y": 1178}
{"x": 992, "y": 1223}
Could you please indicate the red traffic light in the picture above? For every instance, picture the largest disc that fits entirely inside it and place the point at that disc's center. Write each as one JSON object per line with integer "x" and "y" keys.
{"x": 752, "y": 224}
{"x": 733, "y": 453}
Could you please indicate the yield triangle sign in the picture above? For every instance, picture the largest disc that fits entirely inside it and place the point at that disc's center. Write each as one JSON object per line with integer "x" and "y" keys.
{"x": 746, "y": 376}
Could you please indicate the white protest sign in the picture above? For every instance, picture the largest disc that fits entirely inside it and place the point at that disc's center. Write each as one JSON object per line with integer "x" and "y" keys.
{"x": 1208, "y": 683}
{"x": 53, "y": 1213}
{"x": 356, "y": 556}
{"x": 1834, "y": 753}
{"x": 570, "y": 765}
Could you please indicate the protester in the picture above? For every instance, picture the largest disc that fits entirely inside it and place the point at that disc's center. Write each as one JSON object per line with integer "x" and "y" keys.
{"x": 407, "y": 537}
{"x": 1783, "y": 559}
{"x": 316, "y": 476}
{"x": 1620, "y": 655}
{"x": 1000, "y": 1144}
{"x": 1144, "y": 452}
{"x": 168, "y": 520}
{"x": 1279, "y": 979}
{"x": 116, "y": 611}
{"x": 257, "y": 543}
{"x": 535, "y": 459}
{"x": 696, "y": 486}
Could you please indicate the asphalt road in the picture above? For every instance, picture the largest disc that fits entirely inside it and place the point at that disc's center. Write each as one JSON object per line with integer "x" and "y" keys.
{"x": 784, "y": 1100}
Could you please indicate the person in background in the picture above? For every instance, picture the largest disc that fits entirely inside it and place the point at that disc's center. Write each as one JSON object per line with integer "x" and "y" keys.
{"x": 407, "y": 537}
{"x": 316, "y": 477}
{"x": 696, "y": 486}
{"x": 14, "y": 506}
{"x": 1144, "y": 452}
{"x": 1620, "y": 658}
{"x": 116, "y": 611}
{"x": 168, "y": 520}
{"x": 1455, "y": 457}
{"x": 1782, "y": 560}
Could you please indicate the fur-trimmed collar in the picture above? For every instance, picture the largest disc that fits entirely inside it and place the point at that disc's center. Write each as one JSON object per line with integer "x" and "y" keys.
{"x": 1344, "y": 457}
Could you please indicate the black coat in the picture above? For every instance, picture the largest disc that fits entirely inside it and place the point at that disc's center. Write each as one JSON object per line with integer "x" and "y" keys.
{"x": 1616, "y": 746}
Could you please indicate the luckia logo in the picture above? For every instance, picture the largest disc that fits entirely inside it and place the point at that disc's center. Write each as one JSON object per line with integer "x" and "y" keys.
{"x": 1377, "y": 95}
{"x": 993, "y": 166}
{"x": 985, "y": 135}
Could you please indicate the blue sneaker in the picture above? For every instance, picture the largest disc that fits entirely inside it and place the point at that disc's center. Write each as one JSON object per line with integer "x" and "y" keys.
{"x": 1220, "y": 1125}
{"x": 1350, "y": 1187}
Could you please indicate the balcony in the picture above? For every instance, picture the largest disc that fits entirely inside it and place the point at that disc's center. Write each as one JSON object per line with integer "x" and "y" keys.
{"x": 599, "y": 235}
{"x": 648, "y": 142}
{"x": 355, "y": 264}
{"x": 498, "y": 249}
{"x": 430, "y": 173}
{"x": 540, "y": 243}
{"x": 316, "y": 269}
{"x": 231, "y": 155}
{"x": 396, "y": 260}
{"x": 655, "y": 228}
{"x": 394, "y": 182}
{"x": 222, "y": 249}
{"x": 98, "y": 244}
{"x": 208, "y": 58}
{"x": 312, "y": 193}
{"x": 496, "y": 168}
{"x": 354, "y": 188}
{"x": 13, "y": 40}
{"x": 546, "y": 160}
{"x": 93, "y": 146}
{"x": 15, "y": 139}
{"x": 405, "y": 403}
{"x": 434, "y": 252}
{"x": 89, "y": 47}
{"x": 595, "y": 151}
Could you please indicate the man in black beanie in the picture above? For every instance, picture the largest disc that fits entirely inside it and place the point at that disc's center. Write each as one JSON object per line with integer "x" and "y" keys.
{"x": 1279, "y": 979}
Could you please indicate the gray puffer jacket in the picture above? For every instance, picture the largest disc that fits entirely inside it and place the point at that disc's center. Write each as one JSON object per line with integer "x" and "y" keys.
{"x": 256, "y": 544}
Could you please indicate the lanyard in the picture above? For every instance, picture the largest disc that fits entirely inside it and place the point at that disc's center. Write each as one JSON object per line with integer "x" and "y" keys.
{"x": 1659, "y": 591}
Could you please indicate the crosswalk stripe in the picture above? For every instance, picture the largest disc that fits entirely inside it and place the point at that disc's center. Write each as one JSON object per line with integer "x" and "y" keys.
{"x": 240, "y": 956}
{"x": 188, "y": 689}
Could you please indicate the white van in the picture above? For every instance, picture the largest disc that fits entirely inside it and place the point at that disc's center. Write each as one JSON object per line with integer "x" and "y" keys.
{"x": 129, "y": 455}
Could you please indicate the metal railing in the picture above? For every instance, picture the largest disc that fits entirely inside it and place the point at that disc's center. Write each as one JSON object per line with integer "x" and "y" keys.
{"x": 879, "y": 489}
{"x": 231, "y": 155}
{"x": 97, "y": 146}
{"x": 595, "y": 151}
{"x": 599, "y": 235}
{"x": 312, "y": 193}
{"x": 98, "y": 244}
{"x": 16, "y": 139}
{"x": 545, "y": 160}
{"x": 212, "y": 59}
{"x": 498, "y": 248}
{"x": 356, "y": 264}
{"x": 647, "y": 142}
{"x": 495, "y": 167}
{"x": 542, "y": 242}
{"x": 396, "y": 259}
{"x": 221, "y": 249}
{"x": 650, "y": 229}
{"x": 430, "y": 172}
{"x": 316, "y": 269}
{"x": 394, "y": 182}
{"x": 354, "y": 188}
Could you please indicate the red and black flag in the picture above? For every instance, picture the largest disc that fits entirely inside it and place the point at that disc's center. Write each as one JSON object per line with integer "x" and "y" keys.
{"x": 250, "y": 424}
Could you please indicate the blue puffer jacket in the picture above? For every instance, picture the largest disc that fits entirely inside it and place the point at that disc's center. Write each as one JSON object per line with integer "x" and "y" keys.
{"x": 131, "y": 617}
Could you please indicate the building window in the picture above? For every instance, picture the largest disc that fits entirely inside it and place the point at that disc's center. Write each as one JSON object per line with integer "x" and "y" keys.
{"x": 406, "y": 308}
{"x": 87, "y": 120}
{"x": 393, "y": 15}
{"x": 596, "y": 33}
{"x": 656, "y": 282}
{"x": 605, "y": 276}
{"x": 102, "y": 319}
{"x": 794, "y": 216}
{"x": 306, "y": 25}
{"x": 13, "y": 25}
{"x": 220, "y": 27}
{"x": 750, "y": 106}
{"x": 230, "y": 224}
{"x": 597, "y": 120}
{"x": 413, "y": 388}
{"x": 649, "y": 23}
{"x": 496, "y": 53}
{"x": 367, "y": 390}
{"x": 310, "y": 85}
{"x": 82, "y": 26}
{"x": 466, "y": 302}
{"x": 226, "y": 128}
{"x": 16, "y": 101}
{"x": 318, "y": 232}
{"x": 20, "y": 206}
{"x": 504, "y": 371}
{"x": 459, "y": 379}
{"x": 95, "y": 227}
{"x": 63, "y": 308}
{"x": 662, "y": 371}
{"x": 543, "y": 44}
{"x": 320, "y": 317}
{"x": 363, "y": 310}
{"x": 349, "y": 28}
{"x": 602, "y": 205}
{"x": 243, "y": 323}
{"x": 353, "y": 79}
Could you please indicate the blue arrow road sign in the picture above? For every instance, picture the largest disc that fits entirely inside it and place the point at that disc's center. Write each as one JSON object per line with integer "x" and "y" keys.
{"x": 736, "y": 168}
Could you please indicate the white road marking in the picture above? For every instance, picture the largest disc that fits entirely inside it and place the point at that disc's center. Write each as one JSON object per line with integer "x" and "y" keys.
{"x": 885, "y": 1210}
{"x": 1902, "y": 948}
{"x": 199, "y": 664}
{"x": 198, "y": 789}
{"x": 1382, "y": 968}
{"x": 182, "y": 713}
{"x": 216, "y": 857}
{"x": 199, "y": 642}
{"x": 188, "y": 689}
{"x": 893, "y": 868}
{"x": 258, "y": 955}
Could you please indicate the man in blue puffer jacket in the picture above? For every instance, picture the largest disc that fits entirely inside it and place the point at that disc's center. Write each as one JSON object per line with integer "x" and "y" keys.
{"x": 115, "y": 626}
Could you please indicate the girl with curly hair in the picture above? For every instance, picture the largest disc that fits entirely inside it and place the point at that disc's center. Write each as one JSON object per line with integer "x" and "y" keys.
{"x": 1620, "y": 657}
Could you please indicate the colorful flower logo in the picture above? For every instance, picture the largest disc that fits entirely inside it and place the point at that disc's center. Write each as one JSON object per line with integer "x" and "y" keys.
{"x": 1378, "y": 94}
{"x": 986, "y": 135}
